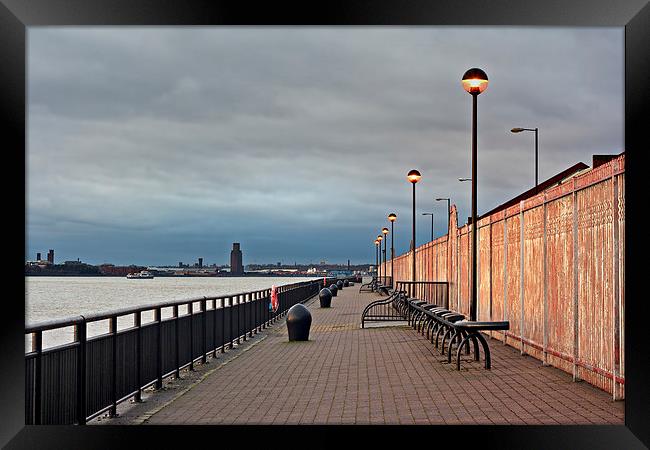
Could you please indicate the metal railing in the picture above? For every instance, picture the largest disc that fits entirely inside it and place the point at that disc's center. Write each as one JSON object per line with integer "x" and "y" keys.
{"x": 436, "y": 292}
{"x": 77, "y": 381}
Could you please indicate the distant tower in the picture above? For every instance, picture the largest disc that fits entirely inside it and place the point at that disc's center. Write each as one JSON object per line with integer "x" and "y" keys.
{"x": 50, "y": 256}
{"x": 236, "y": 266}
{"x": 200, "y": 262}
{"x": 348, "y": 264}
{"x": 38, "y": 256}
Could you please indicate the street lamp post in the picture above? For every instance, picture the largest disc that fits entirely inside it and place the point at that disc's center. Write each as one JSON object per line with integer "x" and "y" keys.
{"x": 413, "y": 176}
{"x": 392, "y": 217}
{"x": 474, "y": 82}
{"x": 536, "y": 130}
{"x": 385, "y": 231}
{"x": 448, "y": 211}
{"x": 430, "y": 214}
{"x": 379, "y": 238}
{"x": 377, "y": 258}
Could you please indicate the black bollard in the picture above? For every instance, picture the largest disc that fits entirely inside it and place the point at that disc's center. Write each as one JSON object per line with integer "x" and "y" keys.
{"x": 325, "y": 298}
{"x": 334, "y": 289}
{"x": 298, "y": 322}
{"x": 339, "y": 284}
{"x": 346, "y": 283}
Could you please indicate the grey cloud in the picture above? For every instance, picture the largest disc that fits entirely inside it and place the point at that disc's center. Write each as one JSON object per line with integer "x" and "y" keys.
{"x": 166, "y": 141}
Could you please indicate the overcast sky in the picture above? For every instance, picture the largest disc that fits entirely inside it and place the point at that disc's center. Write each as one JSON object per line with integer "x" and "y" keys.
{"x": 158, "y": 145}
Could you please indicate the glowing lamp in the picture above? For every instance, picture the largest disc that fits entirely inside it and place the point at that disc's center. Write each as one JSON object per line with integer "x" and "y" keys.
{"x": 414, "y": 176}
{"x": 392, "y": 217}
{"x": 475, "y": 81}
{"x": 385, "y": 230}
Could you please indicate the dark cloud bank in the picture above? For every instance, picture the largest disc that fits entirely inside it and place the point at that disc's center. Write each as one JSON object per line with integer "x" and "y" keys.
{"x": 159, "y": 145}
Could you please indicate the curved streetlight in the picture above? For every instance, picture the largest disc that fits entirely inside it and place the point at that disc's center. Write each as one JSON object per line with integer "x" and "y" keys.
{"x": 464, "y": 179}
{"x": 413, "y": 176}
{"x": 448, "y": 210}
{"x": 392, "y": 217}
{"x": 536, "y": 130}
{"x": 474, "y": 82}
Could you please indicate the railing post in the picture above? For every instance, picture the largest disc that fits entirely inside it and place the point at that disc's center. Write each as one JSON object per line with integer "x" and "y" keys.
{"x": 158, "y": 320}
{"x": 223, "y": 325}
{"x": 80, "y": 331}
{"x": 177, "y": 363}
{"x": 214, "y": 327}
{"x": 231, "y": 331}
{"x": 137, "y": 322}
{"x": 239, "y": 314}
{"x": 204, "y": 313}
{"x": 545, "y": 283}
{"x": 113, "y": 332}
{"x": 37, "y": 346}
{"x": 190, "y": 312}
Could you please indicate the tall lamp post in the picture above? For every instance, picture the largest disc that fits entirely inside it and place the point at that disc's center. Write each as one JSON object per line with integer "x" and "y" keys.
{"x": 385, "y": 231}
{"x": 519, "y": 130}
{"x": 474, "y": 82}
{"x": 379, "y": 238}
{"x": 413, "y": 176}
{"x": 448, "y": 210}
{"x": 430, "y": 214}
{"x": 377, "y": 258}
{"x": 392, "y": 217}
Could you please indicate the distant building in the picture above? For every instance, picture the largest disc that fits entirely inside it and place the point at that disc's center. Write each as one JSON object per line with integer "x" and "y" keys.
{"x": 180, "y": 263}
{"x": 200, "y": 262}
{"x": 38, "y": 256}
{"x": 50, "y": 256}
{"x": 236, "y": 266}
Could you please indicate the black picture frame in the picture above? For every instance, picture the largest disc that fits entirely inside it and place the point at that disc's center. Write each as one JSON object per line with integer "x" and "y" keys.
{"x": 16, "y": 15}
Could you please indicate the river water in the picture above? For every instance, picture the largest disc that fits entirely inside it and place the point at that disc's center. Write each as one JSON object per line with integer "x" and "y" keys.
{"x": 48, "y": 298}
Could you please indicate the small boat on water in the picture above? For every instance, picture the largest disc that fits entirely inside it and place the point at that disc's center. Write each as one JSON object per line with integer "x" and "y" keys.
{"x": 142, "y": 275}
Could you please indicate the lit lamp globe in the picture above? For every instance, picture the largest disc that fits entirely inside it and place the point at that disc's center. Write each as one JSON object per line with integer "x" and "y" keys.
{"x": 475, "y": 81}
{"x": 413, "y": 176}
{"x": 392, "y": 217}
{"x": 385, "y": 230}
{"x": 379, "y": 238}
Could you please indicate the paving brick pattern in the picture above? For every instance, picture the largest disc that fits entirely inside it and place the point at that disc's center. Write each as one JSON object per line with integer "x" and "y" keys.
{"x": 387, "y": 375}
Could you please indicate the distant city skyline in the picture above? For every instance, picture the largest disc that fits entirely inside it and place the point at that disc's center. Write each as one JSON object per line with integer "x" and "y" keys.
{"x": 155, "y": 145}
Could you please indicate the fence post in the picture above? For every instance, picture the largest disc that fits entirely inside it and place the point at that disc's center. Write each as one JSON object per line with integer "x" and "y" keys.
{"x": 177, "y": 363}
{"x": 223, "y": 325}
{"x": 231, "y": 331}
{"x": 80, "y": 330}
{"x": 616, "y": 312}
{"x": 158, "y": 319}
{"x": 204, "y": 313}
{"x": 522, "y": 246}
{"x": 113, "y": 331}
{"x": 505, "y": 274}
{"x": 575, "y": 282}
{"x": 214, "y": 328}
{"x": 190, "y": 312}
{"x": 137, "y": 322}
{"x": 545, "y": 283}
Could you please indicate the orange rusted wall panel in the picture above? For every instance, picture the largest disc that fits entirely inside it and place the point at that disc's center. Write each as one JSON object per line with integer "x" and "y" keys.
{"x": 533, "y": 301}
{"x": 595, "y": 244}
{"x": 559, "y": 256}
{"x": 497, "y": 273}
{"x": 513, "y": 262}
{"x": 484, "y": 273}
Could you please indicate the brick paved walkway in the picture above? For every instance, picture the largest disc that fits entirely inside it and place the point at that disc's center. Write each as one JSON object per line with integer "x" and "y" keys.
{"x": 388, "y": 375}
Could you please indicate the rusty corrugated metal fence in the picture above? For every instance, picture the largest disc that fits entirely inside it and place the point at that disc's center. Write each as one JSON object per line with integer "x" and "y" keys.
{"x": 553, "y": 266}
